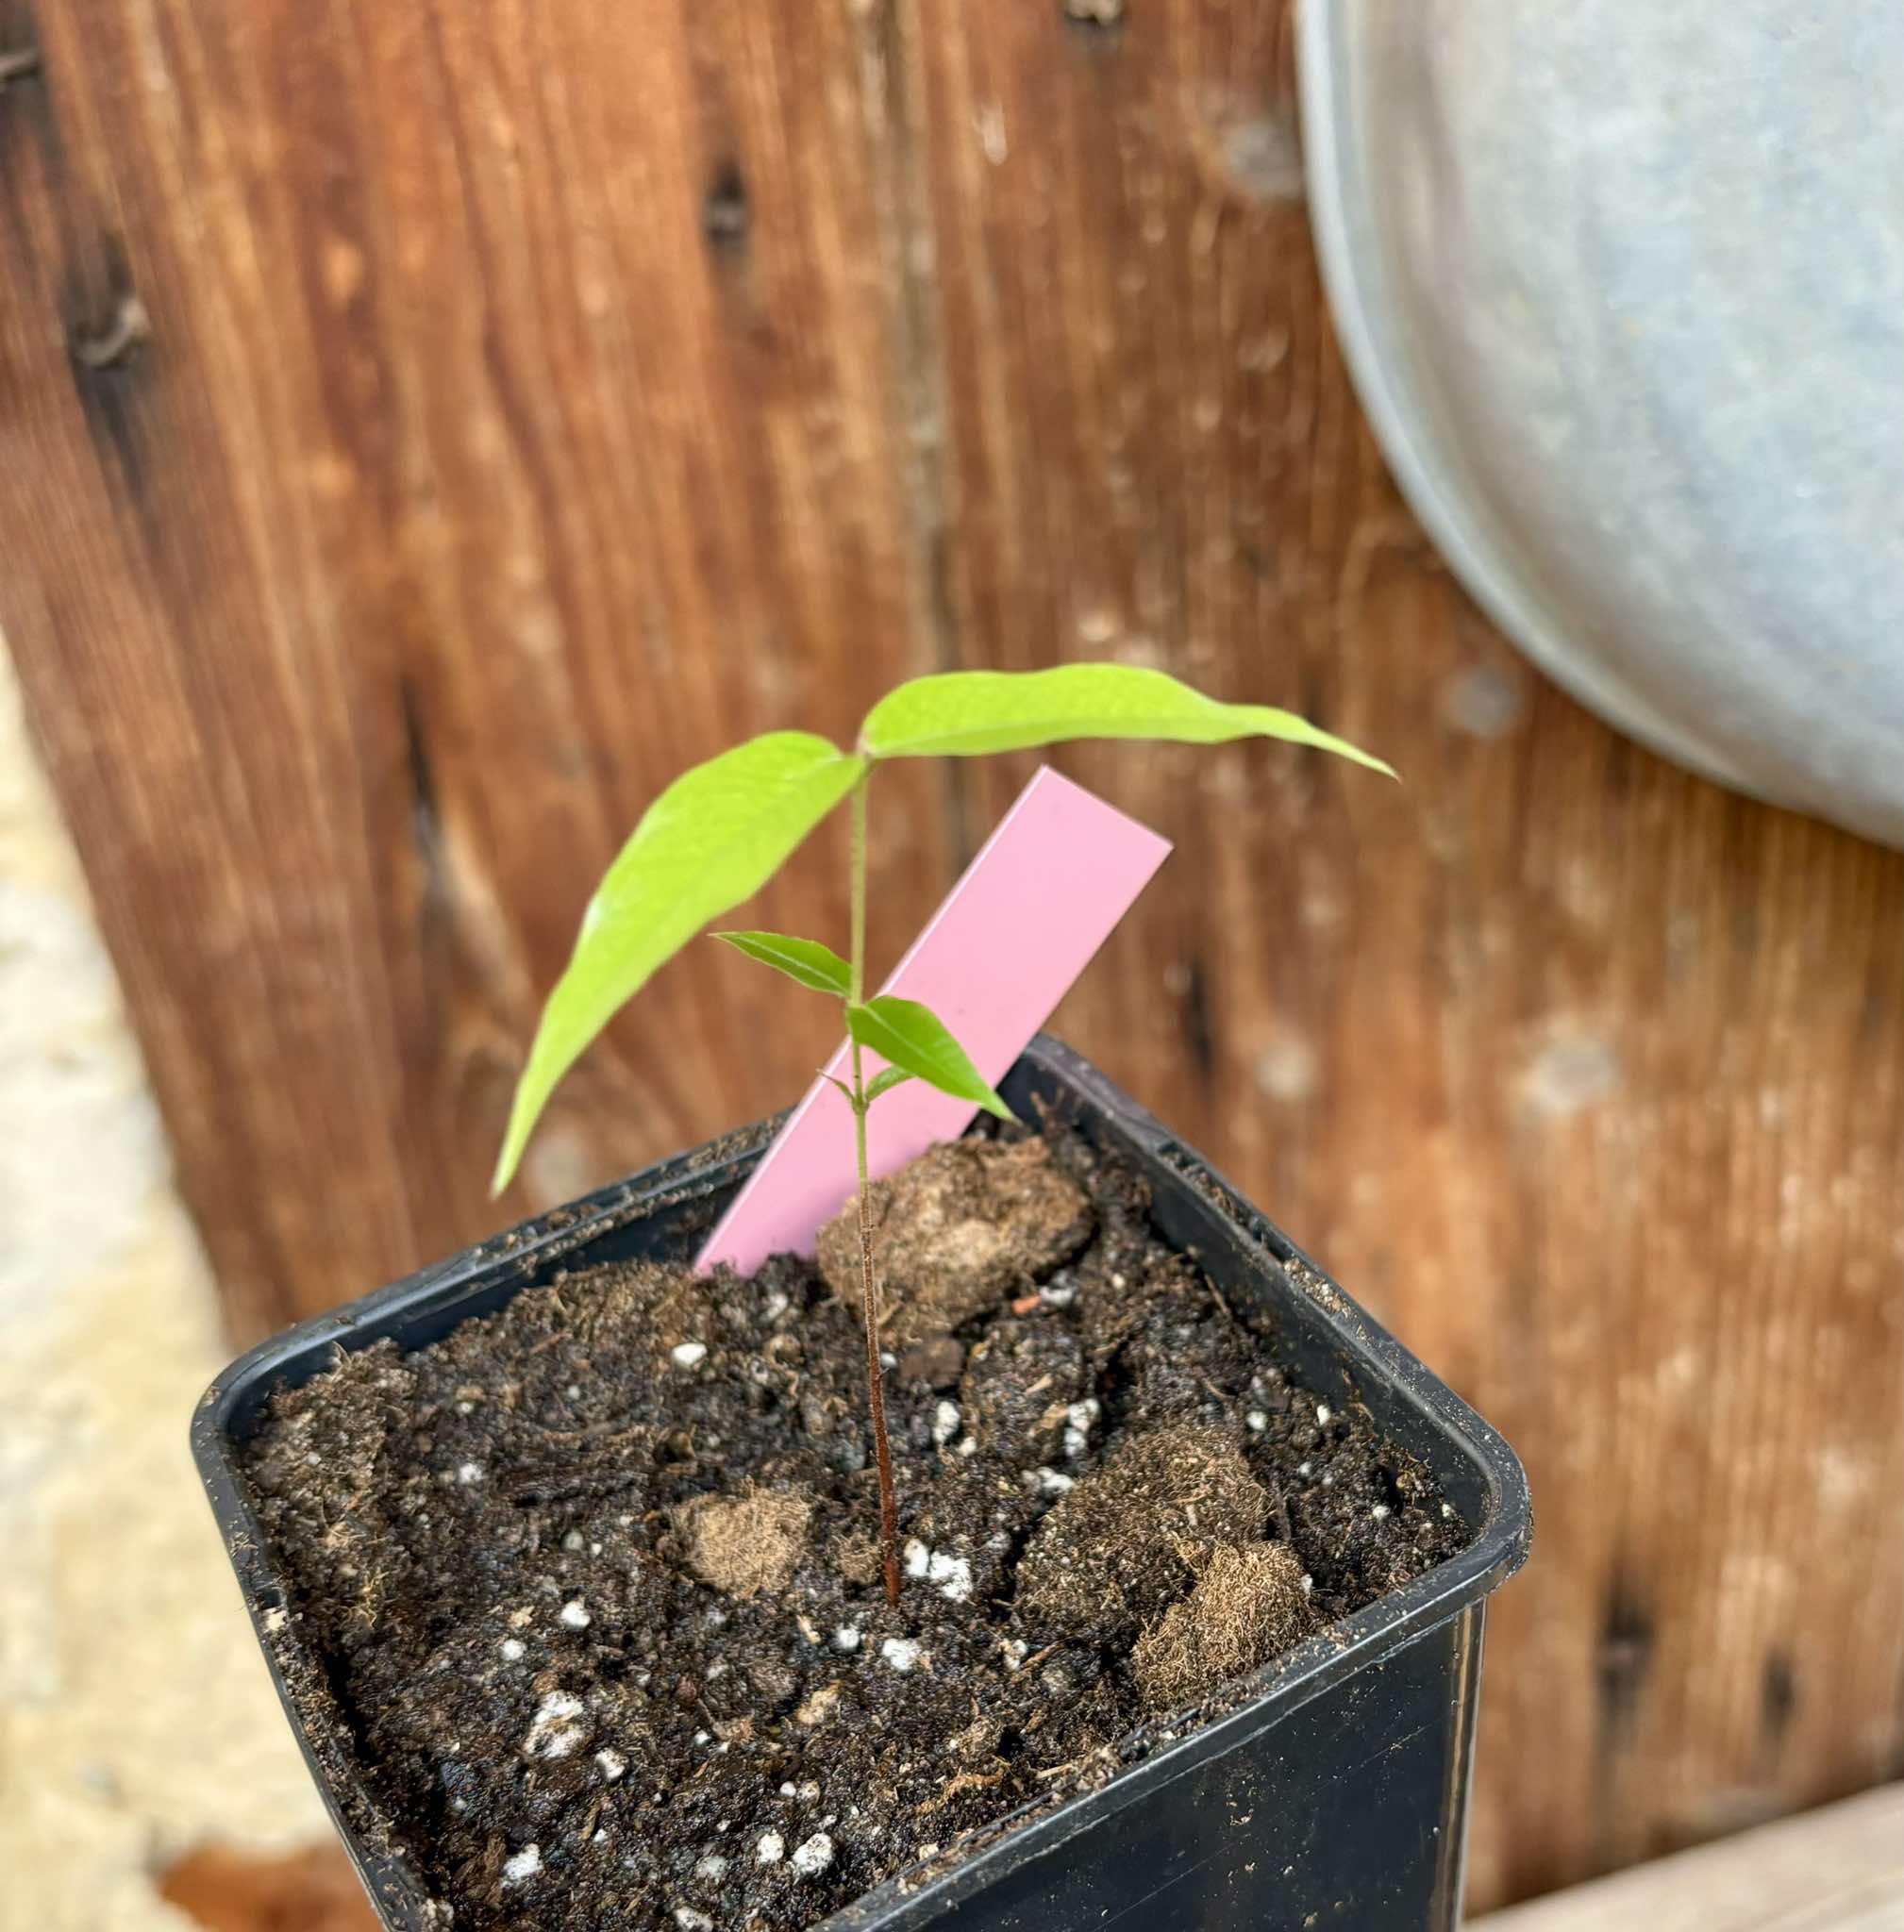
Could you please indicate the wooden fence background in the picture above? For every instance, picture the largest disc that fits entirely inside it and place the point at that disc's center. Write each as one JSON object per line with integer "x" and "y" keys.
{"x": 425, "y": 428}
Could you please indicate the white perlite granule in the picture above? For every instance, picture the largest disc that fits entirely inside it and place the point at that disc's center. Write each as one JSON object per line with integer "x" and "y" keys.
{"x": 613, "y": 1765}
{"x": 901, "y": 1653}
{"x": 1079, "y": 1418}
{"x": 686, "y": 1355}
{"x": 524, "y": 1865}
{"x": 950, "y": 1575}
{"x": 553, "y": 1731}
{"x": 771, "y": 1849}
{"x": 812, "y": 1858}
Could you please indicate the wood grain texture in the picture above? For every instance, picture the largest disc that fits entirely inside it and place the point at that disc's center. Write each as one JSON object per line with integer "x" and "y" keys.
{"x": 1840, "y": 1868}
{"x": 531, "y": 403}
{"x": 517, "y": 422}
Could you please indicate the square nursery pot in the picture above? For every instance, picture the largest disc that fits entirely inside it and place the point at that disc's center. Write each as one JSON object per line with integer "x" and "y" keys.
{"x": 1331, "y": 1789}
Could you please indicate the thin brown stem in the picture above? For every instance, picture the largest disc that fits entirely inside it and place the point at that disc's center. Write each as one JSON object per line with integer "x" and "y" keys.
{"x": 875, "y": 1391}
{"x": 869, "y": 1300}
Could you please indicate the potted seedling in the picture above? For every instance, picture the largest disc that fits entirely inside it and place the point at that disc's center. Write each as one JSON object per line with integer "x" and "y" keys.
{"x": 1057, "y": 1546}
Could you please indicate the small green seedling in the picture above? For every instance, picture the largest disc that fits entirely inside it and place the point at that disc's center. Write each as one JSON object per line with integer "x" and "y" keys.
{"x": 721, "y": 831}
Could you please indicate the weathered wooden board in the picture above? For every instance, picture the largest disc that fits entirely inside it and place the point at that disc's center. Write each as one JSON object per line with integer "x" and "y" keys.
{"x": 532, "y": 401}
{"x": 517, "y": 422}
{"x": 1840, "y": 1868}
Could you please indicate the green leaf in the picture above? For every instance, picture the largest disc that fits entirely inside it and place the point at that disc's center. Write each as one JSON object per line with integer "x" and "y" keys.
{"x": 884, "y": 1082}
{"x": 814, "y": 965}
{"x": 916, "y": 1040}
{"x": 714, "y": 838}
{"x": 970, "y": 714}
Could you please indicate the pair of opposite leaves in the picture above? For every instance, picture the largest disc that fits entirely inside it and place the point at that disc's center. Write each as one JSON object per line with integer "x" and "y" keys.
{"x": 721, "y": 830}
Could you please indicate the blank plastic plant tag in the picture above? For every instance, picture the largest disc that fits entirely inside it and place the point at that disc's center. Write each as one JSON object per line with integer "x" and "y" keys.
{"x": 1059, "y": 872}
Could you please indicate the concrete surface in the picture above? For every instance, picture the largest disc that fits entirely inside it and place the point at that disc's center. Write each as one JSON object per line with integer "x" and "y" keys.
{"x": 136, "y": 1719}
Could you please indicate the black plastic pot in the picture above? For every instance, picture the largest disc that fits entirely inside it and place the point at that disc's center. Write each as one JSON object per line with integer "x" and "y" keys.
{"x": 1332, "y": 1789}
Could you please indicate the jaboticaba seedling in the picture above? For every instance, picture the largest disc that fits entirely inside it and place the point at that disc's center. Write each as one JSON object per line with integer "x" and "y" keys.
{"x": 721, "y": 831}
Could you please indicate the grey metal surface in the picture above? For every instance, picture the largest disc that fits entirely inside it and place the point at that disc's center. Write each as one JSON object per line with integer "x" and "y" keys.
{"x": 1621, "y": 289}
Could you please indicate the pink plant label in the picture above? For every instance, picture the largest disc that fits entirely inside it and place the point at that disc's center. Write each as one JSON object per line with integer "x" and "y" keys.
{"x": 1059, "y": 872}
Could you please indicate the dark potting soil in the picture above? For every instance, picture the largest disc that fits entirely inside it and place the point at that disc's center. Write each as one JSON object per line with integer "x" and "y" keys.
{"x": 596, "y": 1584}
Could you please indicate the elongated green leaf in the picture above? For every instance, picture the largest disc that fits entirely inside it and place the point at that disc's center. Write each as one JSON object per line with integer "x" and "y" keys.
{"x": 915, "y": 1039}
{"x": 969, "y": 714}
{"x": 814, "y": 965}
{"x": 714, "y": 838}
{"x": 884, "y": 1081}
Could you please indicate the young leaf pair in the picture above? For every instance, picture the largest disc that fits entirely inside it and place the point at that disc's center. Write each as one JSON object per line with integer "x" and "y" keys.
{"x": 911, "y": 1038}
